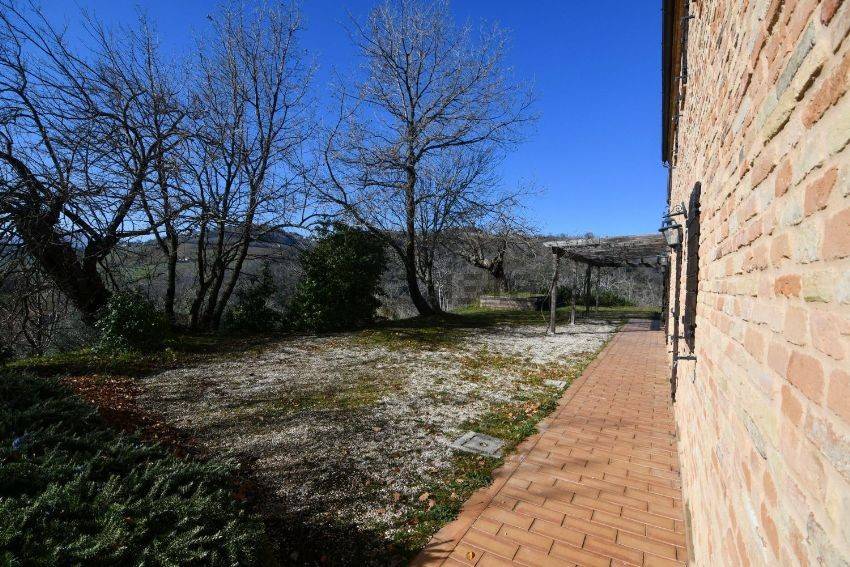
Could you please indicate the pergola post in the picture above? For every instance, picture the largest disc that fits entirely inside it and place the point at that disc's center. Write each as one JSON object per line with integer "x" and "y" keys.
{"x": 553, "y": 290}
{"x": 614, "y": 252}
{"x": 574, "y": 290}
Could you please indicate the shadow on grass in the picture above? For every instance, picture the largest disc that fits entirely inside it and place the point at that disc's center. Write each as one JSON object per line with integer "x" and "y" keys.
{"x": 180, "y": 350}
{"x": 318, "y": 537}
{"x": 301, "y": 539}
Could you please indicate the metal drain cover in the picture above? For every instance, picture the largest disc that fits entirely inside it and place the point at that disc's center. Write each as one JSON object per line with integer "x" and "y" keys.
{"x": 560, "y": 384}
{"x": 474, "y": 442}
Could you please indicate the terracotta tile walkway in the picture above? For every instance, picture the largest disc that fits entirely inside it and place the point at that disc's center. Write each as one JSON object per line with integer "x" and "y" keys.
{"x": 600, "y": 484}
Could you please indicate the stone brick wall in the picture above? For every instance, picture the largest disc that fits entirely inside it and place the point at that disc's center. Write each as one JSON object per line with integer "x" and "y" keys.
{"x": 531, "y": 303}
{"x": 764, "y": 411}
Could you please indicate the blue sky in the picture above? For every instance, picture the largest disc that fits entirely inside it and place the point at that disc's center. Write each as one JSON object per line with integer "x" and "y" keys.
{"x": 595, "y": 151}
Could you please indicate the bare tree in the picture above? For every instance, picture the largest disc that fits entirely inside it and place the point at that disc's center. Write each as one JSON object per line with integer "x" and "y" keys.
{"x": 432, "y": 93}
{"x": 164, "y": 202}
{"x": 252, "y": 122}
{"x": 464, "y": 210}
{"x": 491, "y": 231}
{"x": 77, "y": 142}
{"x": 168, "y": 193}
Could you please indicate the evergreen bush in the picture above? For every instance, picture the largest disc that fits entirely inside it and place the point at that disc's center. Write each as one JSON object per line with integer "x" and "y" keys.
{"x": 342, "y": 280}
{"x": 75, "y": 492}
{"x": 130, "y": 321}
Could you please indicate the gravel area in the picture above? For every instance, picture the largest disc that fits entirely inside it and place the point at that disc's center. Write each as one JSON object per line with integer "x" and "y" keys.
{"x": 350, "y": 426}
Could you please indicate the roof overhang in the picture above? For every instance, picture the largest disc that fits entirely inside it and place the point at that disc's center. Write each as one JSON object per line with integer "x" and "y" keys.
{"x": 672, "y": 12}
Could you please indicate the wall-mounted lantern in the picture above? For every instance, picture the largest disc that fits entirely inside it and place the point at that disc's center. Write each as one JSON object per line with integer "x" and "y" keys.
{"x": 671, "y": 229}
{"x": 671, "y": 233}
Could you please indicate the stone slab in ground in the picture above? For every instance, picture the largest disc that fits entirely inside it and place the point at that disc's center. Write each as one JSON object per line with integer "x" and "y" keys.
{"x": 474, "y": 442}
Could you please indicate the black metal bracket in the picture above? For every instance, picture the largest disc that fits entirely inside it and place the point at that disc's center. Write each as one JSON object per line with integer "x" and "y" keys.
{"x": 678, "y": 210}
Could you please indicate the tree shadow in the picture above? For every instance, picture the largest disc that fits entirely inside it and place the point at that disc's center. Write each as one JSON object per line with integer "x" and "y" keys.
{"x": 317, "y": 537}
{"x": 299, "y": 539}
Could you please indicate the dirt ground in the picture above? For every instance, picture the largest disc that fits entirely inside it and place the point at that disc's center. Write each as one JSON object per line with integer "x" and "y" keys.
{"x": 352, "y": 429}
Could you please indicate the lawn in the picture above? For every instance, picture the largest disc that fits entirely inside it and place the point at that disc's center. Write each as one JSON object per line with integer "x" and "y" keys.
{"x": 346, "y": 437}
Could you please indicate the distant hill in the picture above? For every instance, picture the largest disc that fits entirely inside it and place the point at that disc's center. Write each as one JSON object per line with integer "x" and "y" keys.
{"x": 272, "y": 238}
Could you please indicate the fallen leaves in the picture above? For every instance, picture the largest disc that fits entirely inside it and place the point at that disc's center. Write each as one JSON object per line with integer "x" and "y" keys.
{"x": 115, "y": 398}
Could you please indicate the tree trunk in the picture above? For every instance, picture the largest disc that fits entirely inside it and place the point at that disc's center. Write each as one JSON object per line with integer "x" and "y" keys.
{"x": 195, "y": 310}
{"x": 416, "y": 296}
{"x": 501, "y": 284}
{"x": 200, "y": 261}
{"x": 197, "y": 303}
{"x": 244, "y": 246}
{"x": 497, "y": 270}
{"x": 419, "y": 301}
{"x": 587, "y": 275}
{"x": 36, "y": 224}
{"x": 433, "y": 296}
{"x": 231, "y": 285}
{"x": 212, "y": 296}
{"x": 218, "y": 272}
{"x": 79, "y": 280}
{"x": 171, "y": 289}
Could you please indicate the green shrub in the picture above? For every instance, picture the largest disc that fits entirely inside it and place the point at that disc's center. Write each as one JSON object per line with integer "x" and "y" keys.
{"x": 130, "y": 321}
{"x": 252, "y": 311}
{"x": 342, "y": 279}
{"x": 607, "y": 298}
{"x": 611, "y": 299}
{"x": 74, "y": 491}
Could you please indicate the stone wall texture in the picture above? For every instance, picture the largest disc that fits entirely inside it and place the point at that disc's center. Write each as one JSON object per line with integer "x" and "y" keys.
{"x": 764, "y": 412}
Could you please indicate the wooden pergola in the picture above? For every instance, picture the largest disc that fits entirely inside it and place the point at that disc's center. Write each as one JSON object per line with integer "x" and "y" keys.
{"x": 649, "y": 250}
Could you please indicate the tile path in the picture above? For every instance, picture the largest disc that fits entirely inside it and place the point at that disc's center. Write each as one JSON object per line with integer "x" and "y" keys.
{"x": 598, "y": 486}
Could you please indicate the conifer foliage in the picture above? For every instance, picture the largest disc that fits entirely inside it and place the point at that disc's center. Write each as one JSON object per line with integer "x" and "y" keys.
{"x": 342, "y": 281}
{"x": 74, "y": 491}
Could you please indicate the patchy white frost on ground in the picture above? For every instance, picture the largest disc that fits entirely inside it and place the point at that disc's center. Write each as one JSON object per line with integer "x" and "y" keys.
{"x": 353, "y": 427}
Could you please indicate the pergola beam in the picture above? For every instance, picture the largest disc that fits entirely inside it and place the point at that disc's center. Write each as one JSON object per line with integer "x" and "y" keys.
{"x": 616, "y": 252}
